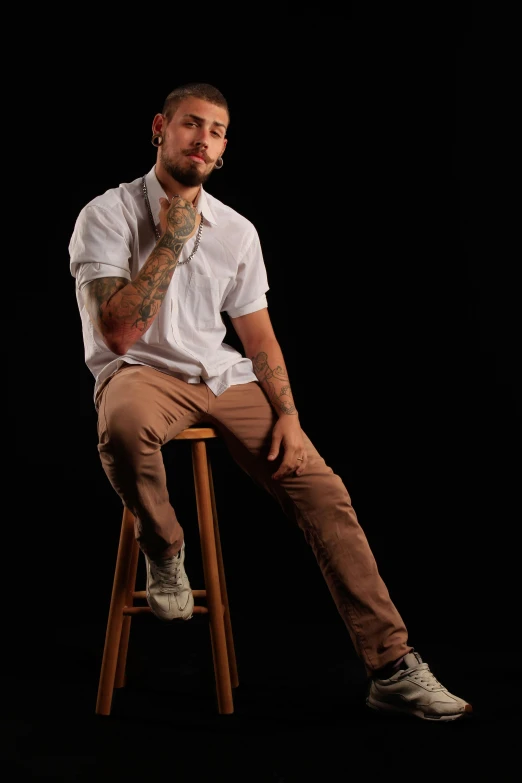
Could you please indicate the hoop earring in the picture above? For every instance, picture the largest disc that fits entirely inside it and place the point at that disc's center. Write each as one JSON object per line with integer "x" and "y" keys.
{"x": 157, "y": 140}
{"x": 220, "y": 161}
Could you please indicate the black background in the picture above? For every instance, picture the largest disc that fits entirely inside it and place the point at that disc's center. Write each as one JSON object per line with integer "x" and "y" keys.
{"x": 397, "y": 314}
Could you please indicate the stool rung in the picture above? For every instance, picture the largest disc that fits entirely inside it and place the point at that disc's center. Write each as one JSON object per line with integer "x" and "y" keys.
{"x": 195, "y": 593}
{"x": 133, "y": 610}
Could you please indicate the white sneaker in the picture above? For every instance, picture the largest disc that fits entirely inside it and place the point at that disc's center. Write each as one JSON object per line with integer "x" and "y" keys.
{"x": 414, "y": 690}
{"x": 168, "y": 589}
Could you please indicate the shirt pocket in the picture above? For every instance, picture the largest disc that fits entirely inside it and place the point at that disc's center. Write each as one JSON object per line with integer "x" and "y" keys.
{"x": 203, "y": 299}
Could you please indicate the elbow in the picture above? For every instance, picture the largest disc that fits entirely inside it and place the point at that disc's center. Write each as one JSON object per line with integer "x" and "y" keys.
{"x": 116, "y": 339}
{"x": 253, "y": 348}
{"x": 120, "y": 350}
{"x": 115, "y": 346}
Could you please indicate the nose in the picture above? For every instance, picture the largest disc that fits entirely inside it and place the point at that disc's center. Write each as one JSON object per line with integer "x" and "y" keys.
{"x": 202, "y": 143}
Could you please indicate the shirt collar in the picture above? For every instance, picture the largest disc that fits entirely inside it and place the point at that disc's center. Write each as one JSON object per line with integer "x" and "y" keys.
{"x": 155, "y": 192}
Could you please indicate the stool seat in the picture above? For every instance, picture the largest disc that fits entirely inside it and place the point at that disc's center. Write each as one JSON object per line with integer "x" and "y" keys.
{"x": 124, "y": 593}
{"x": 197, "y": 433}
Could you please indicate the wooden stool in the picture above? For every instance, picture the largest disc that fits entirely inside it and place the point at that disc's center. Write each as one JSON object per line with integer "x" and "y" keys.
{"x": 122, "y": 607}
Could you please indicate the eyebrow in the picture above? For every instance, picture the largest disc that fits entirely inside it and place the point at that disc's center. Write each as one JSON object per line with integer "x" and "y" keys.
{"x": 200, "y": 119}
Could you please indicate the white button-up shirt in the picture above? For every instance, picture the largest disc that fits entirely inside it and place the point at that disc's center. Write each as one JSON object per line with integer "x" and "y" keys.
{"x": 113, "y": 237}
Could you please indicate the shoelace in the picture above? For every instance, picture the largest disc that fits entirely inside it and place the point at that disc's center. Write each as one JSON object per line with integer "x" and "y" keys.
{"x": 423, "y": 675}
{"x": 168, "y": 575}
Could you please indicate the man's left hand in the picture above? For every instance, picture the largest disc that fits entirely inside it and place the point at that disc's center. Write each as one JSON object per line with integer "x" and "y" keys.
{"x": 288, "y": 435}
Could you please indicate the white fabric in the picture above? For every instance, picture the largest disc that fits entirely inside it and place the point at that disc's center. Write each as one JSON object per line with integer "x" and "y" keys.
{"x": 113, "y": 237}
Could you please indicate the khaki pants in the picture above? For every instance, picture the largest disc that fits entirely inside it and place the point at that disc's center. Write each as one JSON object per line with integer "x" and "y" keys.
{"x": 140, "y": 409}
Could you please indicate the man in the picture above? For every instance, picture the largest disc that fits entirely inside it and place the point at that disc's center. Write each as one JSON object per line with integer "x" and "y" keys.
{"x": 156, "y": 261}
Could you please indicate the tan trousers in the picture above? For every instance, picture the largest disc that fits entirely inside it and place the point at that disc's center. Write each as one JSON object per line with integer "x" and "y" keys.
{"x": 140, "y": 409}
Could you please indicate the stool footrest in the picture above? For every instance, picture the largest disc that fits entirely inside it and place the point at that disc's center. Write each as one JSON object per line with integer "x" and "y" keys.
{"x": 195, "y": 593}
{"x": 133, "y": 610}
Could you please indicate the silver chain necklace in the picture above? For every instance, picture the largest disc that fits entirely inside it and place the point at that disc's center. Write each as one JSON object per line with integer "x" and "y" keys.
{"x": 157, "y": 233}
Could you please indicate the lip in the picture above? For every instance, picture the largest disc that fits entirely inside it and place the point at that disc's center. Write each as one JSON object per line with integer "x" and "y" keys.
{"x": 197, "y": 158}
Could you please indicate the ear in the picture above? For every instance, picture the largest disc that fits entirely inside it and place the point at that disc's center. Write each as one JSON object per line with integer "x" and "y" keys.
{"x": 159, "y": 123}
{"x": 225, "y": 142}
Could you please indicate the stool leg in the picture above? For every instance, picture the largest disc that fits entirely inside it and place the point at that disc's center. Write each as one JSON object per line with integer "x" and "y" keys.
{"x": 119, "y": 681}
{"x": 224, "y": 595}
{"x": 115, "y": 621}
{"x": 211, "y": 573}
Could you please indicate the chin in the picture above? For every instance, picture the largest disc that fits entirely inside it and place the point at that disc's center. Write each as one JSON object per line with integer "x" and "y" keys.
{"x": 192, "y": 176}
{"x": 196, "y": 180}
{"x": 189, "y": 175}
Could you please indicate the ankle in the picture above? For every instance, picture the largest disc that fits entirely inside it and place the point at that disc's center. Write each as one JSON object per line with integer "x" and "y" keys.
{"x": 389, "y": 669}
{"x": 169, "y": 553}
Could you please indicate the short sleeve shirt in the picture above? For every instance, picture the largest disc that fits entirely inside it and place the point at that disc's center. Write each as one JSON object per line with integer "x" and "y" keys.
{"x": 113, "y": 237}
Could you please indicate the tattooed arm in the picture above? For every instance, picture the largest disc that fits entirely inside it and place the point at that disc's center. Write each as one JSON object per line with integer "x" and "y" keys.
{"x": 123, "y": 310}
{"x": 260, "y": 344}
{"x": 274, "y": 381}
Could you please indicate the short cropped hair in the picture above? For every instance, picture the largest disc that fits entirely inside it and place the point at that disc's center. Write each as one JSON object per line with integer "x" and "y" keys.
{"x": 206, "y": 92}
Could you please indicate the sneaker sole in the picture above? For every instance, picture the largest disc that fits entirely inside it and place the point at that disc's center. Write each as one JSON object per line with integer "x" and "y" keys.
{"x": 380, "y": 706}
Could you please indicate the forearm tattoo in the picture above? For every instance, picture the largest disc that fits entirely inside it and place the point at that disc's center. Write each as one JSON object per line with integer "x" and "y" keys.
{"x": 152, "y": 284}
{"x": 138, "y": 305}
{"x": 275, "y": 382}
{"x": 180, "y": 224}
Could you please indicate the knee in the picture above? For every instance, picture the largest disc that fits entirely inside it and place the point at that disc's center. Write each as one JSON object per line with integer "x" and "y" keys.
{"x": 127, "y": 430}
{"x": 329, "y": 493}
{"x": 324, "y": 501}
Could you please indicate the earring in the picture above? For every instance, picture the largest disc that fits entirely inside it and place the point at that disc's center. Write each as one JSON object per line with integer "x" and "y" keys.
{"x": 220, "y": 162}
{"x": 157, "y": 140}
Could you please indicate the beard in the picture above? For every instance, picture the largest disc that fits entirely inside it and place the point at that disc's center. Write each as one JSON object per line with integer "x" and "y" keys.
{"x": 185, "y": 172}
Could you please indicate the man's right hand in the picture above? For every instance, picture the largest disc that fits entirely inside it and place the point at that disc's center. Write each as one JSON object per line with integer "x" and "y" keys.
{"x": 179, "y": 218}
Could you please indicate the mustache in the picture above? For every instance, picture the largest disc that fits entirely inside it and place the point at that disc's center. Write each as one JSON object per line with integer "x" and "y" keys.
{"x": 199, "y": 153}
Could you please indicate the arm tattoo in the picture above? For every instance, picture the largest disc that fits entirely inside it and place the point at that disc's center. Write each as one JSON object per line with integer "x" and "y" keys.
{"x": 153, "y": 281}
{"x": 151, "y": 285}
{"x": 101, "y": 291}
{"x": 275, "y": 382}
{"x": 139, "y": 303}
{"x": 126, "y": 308}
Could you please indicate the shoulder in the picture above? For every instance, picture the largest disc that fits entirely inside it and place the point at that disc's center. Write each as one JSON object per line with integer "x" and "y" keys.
{"x": 228, "y": 218}
{"x": 118, "y": 204}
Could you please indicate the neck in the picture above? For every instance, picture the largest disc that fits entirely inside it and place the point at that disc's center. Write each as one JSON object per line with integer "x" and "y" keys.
{"x": 174, "y": 188}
